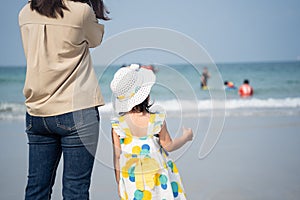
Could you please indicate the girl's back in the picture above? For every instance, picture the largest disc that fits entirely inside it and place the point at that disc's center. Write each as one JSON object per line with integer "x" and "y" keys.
{"x": 138, "y": 123}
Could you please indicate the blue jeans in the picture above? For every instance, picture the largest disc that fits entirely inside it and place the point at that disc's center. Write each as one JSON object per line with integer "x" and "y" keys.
{"x": 75, "y": 135}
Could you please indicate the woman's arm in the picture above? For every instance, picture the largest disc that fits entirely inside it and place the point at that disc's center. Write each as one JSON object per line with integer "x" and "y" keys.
{"x": 171, "y": 145}
{"x": 116, "y": 154}
{"x": 93, "y": 31}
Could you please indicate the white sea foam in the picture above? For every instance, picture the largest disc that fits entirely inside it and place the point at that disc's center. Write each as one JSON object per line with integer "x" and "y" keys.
{"x": 10, "y": 111}
{"x": 174, "y": 105}
{"x": 286, "y": 106}
{"x": 263, "y": 103}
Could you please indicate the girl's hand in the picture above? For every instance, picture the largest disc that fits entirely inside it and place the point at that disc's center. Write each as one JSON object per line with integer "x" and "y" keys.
{"x": 187, "y": 133}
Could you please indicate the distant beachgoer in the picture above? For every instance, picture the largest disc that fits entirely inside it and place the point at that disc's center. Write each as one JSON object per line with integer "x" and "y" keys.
{"x": 141, "y": 140}
{"x": 204, "y": 78}
{"x": 245, "y": 90}
{"x": 229, "y": 85}
{"x": 150, "y": 67}
{"x": 56, "y": 36}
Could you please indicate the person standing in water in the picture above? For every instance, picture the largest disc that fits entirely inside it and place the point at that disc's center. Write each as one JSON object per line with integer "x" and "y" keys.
{"x": 245, "y": 90}
{"x": 204, "y": 78}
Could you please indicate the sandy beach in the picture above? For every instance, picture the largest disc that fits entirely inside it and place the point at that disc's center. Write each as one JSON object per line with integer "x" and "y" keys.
{"x": 255, "y": 158}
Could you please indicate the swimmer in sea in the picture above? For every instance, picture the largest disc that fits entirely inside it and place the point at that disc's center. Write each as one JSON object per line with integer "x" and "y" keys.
{"x": 228, "y": 85}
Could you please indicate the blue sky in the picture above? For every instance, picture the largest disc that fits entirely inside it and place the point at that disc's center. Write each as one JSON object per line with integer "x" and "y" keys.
{"x": 230, "y": 31}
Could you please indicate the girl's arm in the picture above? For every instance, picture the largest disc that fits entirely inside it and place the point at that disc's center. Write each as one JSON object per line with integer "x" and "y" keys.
{"x": 171, "y": 145}
{"x": 116, "y": 154}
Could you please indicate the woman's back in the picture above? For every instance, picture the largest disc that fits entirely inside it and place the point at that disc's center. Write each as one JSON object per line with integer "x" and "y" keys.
{"x": 59, "y": 77}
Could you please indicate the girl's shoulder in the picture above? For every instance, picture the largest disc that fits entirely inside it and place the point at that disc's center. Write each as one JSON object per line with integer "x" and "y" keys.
{"x": 156, "y": 121}
{"x": 117, "y": 124}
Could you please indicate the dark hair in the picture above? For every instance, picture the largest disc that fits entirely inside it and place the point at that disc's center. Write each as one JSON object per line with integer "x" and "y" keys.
{"x": 143, "y": 107}
{"x": 100, "y": 9}
{"x": 48, "y": 8}
{"x": 53, "y": 8}
{"x": 246, "y": 81}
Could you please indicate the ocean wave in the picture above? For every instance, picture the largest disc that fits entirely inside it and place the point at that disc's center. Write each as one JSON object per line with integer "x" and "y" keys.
{"x": 231, "y": 104}
{"x": 263, "y": 103}
{"x": 233, "y": 107}
{"x": 10, "y": 111}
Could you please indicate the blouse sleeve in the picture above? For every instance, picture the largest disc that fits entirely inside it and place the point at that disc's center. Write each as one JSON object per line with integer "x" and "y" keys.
{"x": 93, "y": 31}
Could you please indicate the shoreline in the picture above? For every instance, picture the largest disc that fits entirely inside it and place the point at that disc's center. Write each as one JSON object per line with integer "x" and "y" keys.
{"x": 289, "y": 106}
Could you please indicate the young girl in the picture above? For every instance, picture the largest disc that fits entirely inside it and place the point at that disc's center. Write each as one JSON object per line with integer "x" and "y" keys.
{"x": 141, "y": 140}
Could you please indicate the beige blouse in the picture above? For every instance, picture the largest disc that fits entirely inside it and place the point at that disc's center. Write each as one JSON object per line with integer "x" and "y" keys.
{"x": 59, "y": 76}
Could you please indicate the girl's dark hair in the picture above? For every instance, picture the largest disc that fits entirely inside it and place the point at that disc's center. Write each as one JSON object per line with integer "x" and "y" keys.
{"x": 143, "y": 107}
{"x": 53, "y": 8}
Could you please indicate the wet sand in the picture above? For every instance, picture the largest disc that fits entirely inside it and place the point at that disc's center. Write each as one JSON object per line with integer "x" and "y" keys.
{"x": 257, "y": 157}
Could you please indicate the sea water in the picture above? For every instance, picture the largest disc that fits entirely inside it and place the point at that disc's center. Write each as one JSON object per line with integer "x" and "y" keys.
{"x": 276, "y": 88}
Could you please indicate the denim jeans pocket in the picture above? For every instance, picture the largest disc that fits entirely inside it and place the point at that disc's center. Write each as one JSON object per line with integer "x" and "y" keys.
{"x": 70, "y": 121}
{"x": 28, "y": 122}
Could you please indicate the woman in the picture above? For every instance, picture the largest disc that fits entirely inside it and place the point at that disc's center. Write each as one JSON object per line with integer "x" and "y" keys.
{"x": 62, "y": 93}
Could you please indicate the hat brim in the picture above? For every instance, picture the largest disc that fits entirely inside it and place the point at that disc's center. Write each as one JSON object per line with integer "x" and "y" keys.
{"x": 147, "y": 79}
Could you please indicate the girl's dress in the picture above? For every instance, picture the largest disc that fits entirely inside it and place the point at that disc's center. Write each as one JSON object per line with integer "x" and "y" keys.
{"x": 146, "y": 171}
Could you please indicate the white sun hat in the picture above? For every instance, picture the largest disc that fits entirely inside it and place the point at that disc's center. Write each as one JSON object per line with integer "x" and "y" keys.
{"x": 130, "y": 86}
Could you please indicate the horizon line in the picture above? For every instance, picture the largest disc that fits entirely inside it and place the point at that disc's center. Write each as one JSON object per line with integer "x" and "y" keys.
{"x": 180, "y": 63}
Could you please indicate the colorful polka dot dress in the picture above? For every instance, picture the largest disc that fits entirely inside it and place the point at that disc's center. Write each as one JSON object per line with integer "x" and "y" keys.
{"x": 146, "y": 172}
